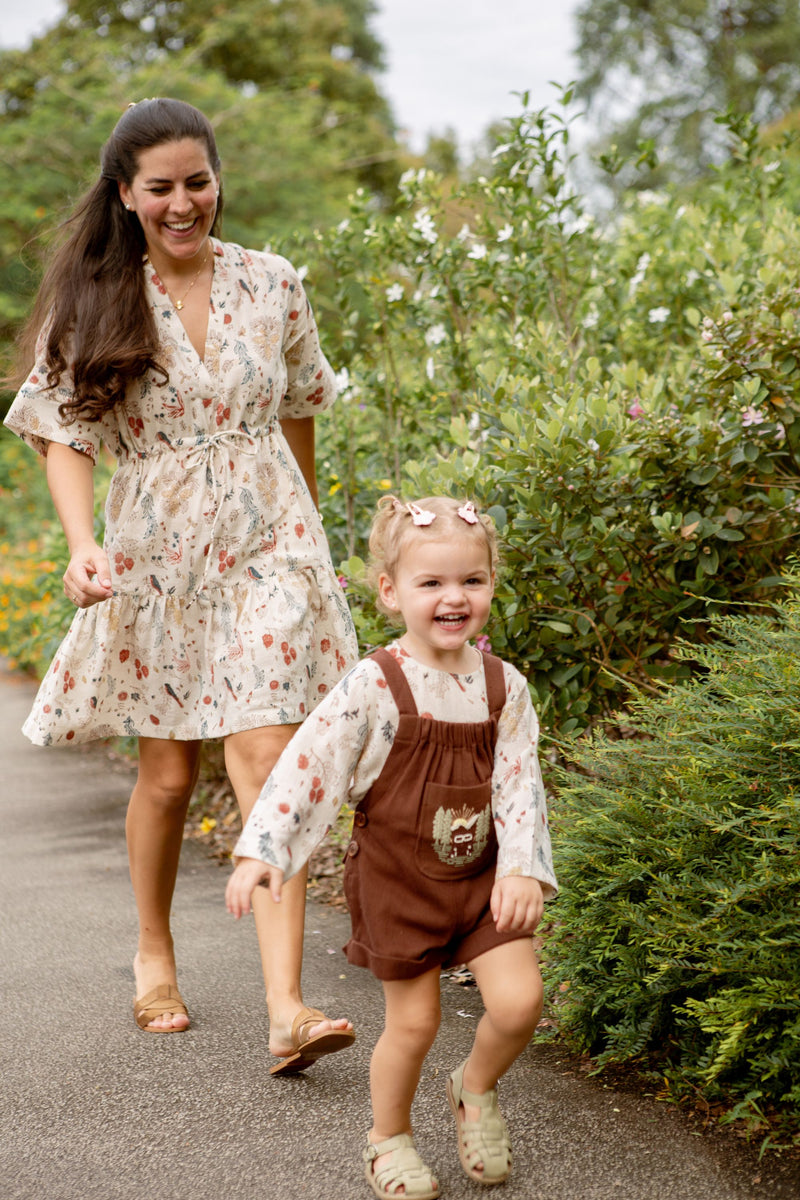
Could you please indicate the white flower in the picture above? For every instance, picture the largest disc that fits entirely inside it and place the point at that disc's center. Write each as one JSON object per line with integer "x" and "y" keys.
{"x": 691, "y": 277}
{"x": 498, "y": 150}
{"x": 343, "y": 225}
{"x": 657, "y": 316}
{"x": 435, "y": 335}
{"x": 395, "y": 293}
{"x": 639, "y": 274}
{"x": 649, "y": 197}
{"x": 342, "y": 379}
{"x": 592, "y": 444}
{"x": 505, "y": 233}
{"x": 751, "y": 416}
{"x": 591, "y": 318}
{"x": 434, "y": 292}
{"x": 429, "y": 368}
{"x": 424, "y": 226}
{"x": 771, "y": 166}
{"x": 477, "y": 251}
{"x": 463, "y": 233}
{"x": 302, "y": 272}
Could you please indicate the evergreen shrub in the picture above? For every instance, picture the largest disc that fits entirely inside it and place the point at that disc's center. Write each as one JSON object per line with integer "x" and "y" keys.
{"x": 677, "y": 933}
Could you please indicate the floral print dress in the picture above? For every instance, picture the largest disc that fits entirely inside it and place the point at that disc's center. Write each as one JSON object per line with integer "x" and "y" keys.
{"x": 226, "y": 614}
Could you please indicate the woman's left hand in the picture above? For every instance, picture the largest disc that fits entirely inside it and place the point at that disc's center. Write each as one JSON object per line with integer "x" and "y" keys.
{"x": 517, "y": 904}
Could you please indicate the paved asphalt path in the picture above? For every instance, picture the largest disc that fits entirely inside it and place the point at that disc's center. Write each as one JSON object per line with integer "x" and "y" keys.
{"x": 93, "y": 1109}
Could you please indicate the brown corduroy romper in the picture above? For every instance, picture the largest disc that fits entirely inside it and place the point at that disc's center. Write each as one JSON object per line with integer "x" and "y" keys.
{"x": 420, "y": 868}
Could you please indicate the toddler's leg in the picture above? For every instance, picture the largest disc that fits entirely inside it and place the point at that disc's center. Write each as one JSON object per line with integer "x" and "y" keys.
{"x": 412, "y": 1019}
{"x": 511, "y": 987}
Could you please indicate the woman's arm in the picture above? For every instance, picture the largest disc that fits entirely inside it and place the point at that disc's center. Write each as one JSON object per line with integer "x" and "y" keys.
{"x": 299, "y": 433}
{"x": 70, "y": 478}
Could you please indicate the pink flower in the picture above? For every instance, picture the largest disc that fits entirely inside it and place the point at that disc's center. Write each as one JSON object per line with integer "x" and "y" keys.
{"x": 636, "y": 410}
{"x": 342, "y": 581}
{"x": 482, "y": 643}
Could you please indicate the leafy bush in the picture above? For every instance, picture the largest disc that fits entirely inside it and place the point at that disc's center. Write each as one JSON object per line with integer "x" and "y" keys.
{"x": 34, "y": 612}
{"x": 678, "y": 853}
{"x": 621, "y": 396}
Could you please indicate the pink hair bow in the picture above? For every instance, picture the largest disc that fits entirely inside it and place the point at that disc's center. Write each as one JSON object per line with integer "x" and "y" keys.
{"x": 420, "y": 516}
{"x": 467, "y": 513}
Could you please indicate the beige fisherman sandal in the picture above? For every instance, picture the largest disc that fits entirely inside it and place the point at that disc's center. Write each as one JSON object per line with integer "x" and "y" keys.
{"x": 405, "y": 1170}
{"x": 484, "y": 1146}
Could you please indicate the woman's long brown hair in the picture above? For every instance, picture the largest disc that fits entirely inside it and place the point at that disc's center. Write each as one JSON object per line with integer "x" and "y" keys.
{"x": 100, "y": 324}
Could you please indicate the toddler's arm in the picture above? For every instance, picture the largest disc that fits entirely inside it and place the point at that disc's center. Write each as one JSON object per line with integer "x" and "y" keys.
{"x": 517, "y": 903}
{"x": 249, "y": 873}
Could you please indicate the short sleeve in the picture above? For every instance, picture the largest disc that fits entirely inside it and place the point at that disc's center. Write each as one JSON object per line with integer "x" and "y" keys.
{"x": 33, "y": 415}
{"x": 310, "y": 380}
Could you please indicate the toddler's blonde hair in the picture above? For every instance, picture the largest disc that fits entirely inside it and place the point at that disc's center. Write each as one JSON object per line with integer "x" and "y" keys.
{"x": 393, "y": 529}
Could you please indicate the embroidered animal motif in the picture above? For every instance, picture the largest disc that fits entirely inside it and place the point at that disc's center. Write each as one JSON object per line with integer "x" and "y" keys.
{"x": 460, "y": 837}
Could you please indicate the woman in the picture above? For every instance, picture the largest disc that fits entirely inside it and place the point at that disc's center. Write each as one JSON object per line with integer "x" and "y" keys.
{"x": 213, "y": 611}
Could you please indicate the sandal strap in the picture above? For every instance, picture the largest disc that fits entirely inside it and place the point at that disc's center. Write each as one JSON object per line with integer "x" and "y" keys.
{"x": 484, "y": 1143}
{"x": 306, "y": 1019}
{"x": 162, "y": 999}
{"x": 406, "y": 1169}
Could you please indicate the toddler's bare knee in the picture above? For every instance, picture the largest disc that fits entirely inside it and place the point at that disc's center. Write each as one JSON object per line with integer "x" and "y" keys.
{"x": 418, "y": 1031}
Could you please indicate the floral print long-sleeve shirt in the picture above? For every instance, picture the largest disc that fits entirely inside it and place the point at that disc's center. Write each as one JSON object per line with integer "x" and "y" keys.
{"x": 336, "y": 756}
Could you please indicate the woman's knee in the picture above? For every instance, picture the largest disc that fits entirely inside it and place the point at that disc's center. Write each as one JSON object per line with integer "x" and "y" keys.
{"x": 250, "y": 757}
{"x": 167, "y": 776}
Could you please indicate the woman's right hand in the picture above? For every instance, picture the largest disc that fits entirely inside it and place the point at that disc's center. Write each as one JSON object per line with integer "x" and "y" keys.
{"x": 87, "y": 579}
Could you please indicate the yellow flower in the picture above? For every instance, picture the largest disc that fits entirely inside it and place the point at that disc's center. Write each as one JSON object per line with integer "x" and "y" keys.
{"x": 385, "y": 484}
{"x": 207, "y": 824}
{"x": 334, "y": 488}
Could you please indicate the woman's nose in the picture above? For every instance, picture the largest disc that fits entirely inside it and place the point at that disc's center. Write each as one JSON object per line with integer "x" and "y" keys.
{"x": 181, "y": 200}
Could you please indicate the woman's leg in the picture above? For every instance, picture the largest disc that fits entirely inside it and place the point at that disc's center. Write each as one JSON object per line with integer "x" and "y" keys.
{"x": 413, "y": 1013}
{"x": 154, "y": 831}
{"x": 249, "y": 758}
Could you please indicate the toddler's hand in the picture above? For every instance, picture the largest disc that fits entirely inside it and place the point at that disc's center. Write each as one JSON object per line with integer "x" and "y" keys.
{"x": 517, "y": 904}
{"x": 249, "y": 873}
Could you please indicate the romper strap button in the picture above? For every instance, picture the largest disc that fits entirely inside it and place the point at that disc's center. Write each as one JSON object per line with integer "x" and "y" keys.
{"x": 352, "y": 850}
{"x": 360, "y": 819}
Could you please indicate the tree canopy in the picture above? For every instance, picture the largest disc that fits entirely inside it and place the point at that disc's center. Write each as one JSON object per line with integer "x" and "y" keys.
{"x": 288, "y": 85}
{"x": 660, "y": 69}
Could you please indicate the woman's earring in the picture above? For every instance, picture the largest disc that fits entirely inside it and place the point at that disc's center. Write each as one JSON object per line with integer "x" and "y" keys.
{"x": 129, "y": 207}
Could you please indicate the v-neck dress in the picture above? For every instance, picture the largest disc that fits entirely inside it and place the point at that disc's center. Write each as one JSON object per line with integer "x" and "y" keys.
{"x": 226, "y": 614}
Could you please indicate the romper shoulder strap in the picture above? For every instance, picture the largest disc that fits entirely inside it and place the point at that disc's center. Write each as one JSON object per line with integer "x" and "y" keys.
{"x": 495, "y": 683}
{"x": 396, "y": 679}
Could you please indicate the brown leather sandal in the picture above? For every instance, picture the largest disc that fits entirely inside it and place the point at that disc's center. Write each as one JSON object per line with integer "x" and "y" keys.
{"x": 308, "y": 1050}
{"x": 164, "y": 998}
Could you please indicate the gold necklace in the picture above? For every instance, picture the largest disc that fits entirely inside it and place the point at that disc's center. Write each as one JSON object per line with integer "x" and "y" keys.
{"x": 180, "y": 303}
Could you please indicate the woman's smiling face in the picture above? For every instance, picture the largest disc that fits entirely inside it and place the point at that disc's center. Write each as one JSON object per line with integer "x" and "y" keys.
{"x": 174, "y": 195}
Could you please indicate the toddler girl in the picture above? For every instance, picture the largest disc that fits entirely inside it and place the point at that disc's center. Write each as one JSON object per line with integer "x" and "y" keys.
{"x": 434, "y": 744}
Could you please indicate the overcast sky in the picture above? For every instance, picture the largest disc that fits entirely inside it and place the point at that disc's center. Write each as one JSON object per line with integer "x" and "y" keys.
{"x": 451, "y": 63}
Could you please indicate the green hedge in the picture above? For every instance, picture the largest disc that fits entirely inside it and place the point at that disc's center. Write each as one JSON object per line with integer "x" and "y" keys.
{"x": 677, "y": 934}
